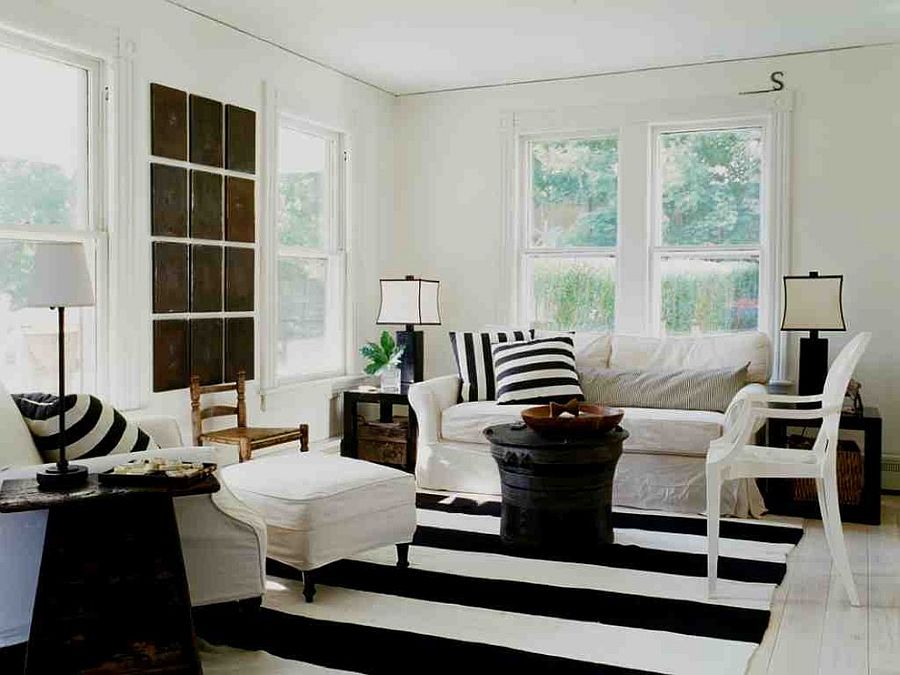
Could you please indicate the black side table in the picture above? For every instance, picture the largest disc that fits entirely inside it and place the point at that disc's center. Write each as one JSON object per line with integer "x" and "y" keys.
{"x": 386, "y": 401}
{"x": 112, "y": 594}
{"x": 778, "y": 493}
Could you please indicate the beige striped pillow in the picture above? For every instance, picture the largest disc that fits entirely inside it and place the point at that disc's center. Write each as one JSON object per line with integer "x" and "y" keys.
{"x": 674, "y": 389}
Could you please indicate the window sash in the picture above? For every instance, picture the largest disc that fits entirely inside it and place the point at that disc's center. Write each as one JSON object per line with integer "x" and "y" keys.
{"x": 91, "y": 196}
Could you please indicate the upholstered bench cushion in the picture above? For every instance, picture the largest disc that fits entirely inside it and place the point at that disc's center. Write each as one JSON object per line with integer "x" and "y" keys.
{"x": 321, "y": 508}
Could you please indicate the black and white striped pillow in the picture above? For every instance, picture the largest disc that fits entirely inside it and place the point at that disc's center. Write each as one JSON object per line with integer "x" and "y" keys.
{"x": 538, "y": 371}
{"x": 93, "y": 428}
{"x": 474, "y": 362}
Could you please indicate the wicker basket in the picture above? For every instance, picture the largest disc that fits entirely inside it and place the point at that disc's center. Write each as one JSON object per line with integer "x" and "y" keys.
{"x": 383, "y": 442}
{"x": 849, "y": 474}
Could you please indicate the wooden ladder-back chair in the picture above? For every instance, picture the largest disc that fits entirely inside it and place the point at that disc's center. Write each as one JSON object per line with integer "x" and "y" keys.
{"x": 246, "y": 438}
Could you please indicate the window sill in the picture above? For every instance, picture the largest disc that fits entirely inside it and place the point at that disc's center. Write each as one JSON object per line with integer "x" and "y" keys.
{"x": 335, "y": 384}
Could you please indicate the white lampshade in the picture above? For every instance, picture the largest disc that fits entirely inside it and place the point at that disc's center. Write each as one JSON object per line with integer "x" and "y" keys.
{"x": 60, "y": 277}
{"x": 813, "y": 303}
{"x": 410, "y": 301}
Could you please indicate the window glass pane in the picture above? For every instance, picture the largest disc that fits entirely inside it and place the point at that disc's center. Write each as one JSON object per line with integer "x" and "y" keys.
{"x": 574, "y": 193}
{"x": 302, "y": 189}
{"x": 43, "y": 142}
{"x": 573, "y": 293}
{"x": 309, "y": 321}
{"x": 710, "y": 186}
{"x": 702, "y": 295}
{"x": 28, "y": 336}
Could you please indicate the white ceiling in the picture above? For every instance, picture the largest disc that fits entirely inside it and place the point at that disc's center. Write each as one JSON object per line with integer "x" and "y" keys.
{"x": 408, "y": 46}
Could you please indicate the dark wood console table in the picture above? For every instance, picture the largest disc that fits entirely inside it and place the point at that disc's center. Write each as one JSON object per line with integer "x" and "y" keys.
{"x": 112, "y": 593}
{"x": 386, "y": 401}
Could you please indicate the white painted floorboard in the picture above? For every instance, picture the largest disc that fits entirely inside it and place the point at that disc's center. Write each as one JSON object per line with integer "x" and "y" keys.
{"x": 813, "y": 627}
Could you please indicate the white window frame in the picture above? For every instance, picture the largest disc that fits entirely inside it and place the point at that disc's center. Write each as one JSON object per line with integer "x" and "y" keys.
{"x": 635, "y": 125}
{"x": 527, "y": 253}
{"x": 762, "y": 250}
{"x": 94, "y": 235}
{"x": 334, "y": 252}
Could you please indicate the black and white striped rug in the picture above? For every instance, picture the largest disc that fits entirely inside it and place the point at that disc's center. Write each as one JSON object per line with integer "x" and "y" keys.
{"x": 468, "y": 602}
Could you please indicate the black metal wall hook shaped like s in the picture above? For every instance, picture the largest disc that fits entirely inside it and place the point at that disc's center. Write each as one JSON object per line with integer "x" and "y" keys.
{"x": 777, "y": 84}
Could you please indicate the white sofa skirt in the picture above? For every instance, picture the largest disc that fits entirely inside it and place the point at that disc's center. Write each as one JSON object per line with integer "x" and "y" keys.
{"x": 645, "y": 481}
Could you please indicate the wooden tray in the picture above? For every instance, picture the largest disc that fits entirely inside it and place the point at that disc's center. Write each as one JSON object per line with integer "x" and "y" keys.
{"x": 155, "y": 479}
{"x": 590, "y": 419}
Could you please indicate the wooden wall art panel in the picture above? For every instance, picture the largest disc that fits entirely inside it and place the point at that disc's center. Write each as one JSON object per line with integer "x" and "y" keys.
{"x": 207, "y": 350}
{"x": 168, "y": 122}
{"x": 206, "y": 131}
{"x": 240, "y": 139}
{"x": 168, "y": 201}
{"x": 239, "y": 279}
{"x": 170, "y": 277}
{"x": 239, "y": 342}
{"x": 206, "y": 205}
{"x": 171, "y": 348}
{"x": 206, "y": 278}
{"x": 240, "y": 210}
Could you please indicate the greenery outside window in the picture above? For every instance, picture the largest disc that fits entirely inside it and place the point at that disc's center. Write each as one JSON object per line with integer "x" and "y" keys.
{"x": 310, "y": 264}
{"x": 49, "y": 190}
{"x": 706, "y": 242}
{"x": 571, "y": 232}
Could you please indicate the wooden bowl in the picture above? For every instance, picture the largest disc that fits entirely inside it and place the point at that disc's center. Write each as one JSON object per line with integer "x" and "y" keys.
{"x": 591, "y": 419}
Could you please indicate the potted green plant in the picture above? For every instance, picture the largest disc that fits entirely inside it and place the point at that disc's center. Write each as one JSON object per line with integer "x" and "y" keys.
{"x": 383, "y": 360}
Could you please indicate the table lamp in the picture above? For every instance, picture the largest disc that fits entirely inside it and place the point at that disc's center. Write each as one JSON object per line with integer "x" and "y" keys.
{"x": 61, "y": 279}
{"x": 413, "y": 302}
{"x": 813, "y": 303}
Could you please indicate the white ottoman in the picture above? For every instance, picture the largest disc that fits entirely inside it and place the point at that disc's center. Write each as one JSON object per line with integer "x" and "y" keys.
{"x": 321, "y": 508}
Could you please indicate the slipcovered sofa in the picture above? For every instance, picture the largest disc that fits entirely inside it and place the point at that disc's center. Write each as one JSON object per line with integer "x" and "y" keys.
{"x": 223, "y": 541}
{"x": 663, "y": 465}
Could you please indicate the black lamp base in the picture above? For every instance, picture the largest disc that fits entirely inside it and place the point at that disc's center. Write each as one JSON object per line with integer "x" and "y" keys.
{"x": 412, "y": 363}
{"x": 56, "y": 478}
{"x": 813, "y": 366}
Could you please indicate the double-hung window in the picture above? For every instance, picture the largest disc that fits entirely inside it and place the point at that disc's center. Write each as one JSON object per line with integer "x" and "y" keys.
{"x": 309, "y": 252}
{"x": 707, "y": 232}
{"x": 571, "y": 229}
{"x": 49, "y": 190}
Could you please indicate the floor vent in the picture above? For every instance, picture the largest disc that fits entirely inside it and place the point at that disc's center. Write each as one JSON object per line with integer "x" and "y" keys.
{"x": 890, "y": 473}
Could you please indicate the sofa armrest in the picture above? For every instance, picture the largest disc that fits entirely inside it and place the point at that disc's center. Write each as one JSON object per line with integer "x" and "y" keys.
{"x": 429, "y": 399}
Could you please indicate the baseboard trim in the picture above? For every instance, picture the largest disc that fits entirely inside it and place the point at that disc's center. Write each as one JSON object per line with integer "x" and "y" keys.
{"x": 890, "y": 474}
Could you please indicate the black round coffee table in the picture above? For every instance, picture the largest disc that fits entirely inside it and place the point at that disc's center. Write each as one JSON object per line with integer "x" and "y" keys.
{"x": 556, "y": 490}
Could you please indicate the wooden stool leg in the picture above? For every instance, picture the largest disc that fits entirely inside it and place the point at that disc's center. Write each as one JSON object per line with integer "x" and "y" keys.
{"x": 244, "y": 450}
{"x": 403, "y": 556}
{"x": 309, "y": 585}
{"x": 304, "y": 437}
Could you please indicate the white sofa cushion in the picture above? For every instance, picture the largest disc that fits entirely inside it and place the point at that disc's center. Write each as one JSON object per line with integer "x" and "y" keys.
{"x": 682, "y": 432}
{"x": 17, "y": 447}
{"x": 632, "y": 352}
{"x": 303, "y": 491}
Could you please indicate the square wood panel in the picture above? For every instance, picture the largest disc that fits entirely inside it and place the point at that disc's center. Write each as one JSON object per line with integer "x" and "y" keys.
{"x": 170, "y": 354}
{"x": 238, "y": 348}
{"x": 240, "y": 210}
{"x": 206, "y": 278}
{"x": 170, "y": 277}
{"x": 168, "y": 201}
{"x": 168, "y": 122}
{"x": 240, "y": 139}
{"x": 206, "y": 205}
{"x": 206, "y": 131}
{"x": 239, "y": 279}
{"x": 208, "y": 350}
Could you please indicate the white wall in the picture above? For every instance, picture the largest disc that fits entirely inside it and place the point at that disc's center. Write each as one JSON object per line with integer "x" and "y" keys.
{"x": 844, "y": 213}
{"x": 179, "y": 49}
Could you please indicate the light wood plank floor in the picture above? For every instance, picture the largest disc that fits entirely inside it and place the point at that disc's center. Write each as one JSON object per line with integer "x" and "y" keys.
{"x": 814, "y": 630}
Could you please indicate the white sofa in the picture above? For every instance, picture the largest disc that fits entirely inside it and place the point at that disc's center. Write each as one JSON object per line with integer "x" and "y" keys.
{"x": 223, "y": 541}
{"x": 663, "y": 465}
